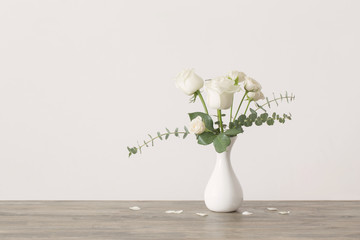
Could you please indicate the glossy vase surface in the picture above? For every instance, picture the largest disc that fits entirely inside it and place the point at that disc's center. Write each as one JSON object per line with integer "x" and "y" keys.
{"x": 223, "y": 192}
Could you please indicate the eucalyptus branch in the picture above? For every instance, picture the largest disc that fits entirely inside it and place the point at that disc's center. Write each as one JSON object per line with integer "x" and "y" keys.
{"x": 160, "y": 136}
{"x": 275, "y": 99}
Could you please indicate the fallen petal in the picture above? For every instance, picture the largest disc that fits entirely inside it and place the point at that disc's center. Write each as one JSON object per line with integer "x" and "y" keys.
{"x": 174, "y": 211}
{"x": 135, "y": 208}
{"x": 246, "y": 213}
{"x": 201, "y": 214}
{"x": 272, "y": 209}
{"x": 284, "y": 212}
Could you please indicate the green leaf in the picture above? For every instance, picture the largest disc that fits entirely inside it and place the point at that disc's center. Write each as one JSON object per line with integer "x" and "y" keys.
{"x": 241, "y": 119}
{"x": 252, "y": 110}
{"x": 248, "y": 123}
{"x": 270, "y": 121}
{"x": 168, "y": 130}
{"x": 133, "y": 150}
{"x": 206, "y": 138}
{"x": 264, "y": 117}
{"x": 258, "y": 122}
{"x": 159, "y": 135}
{"x": 186, "y": 130}
{"x": 233, "y": 132}
{"x": 221, "y": 142}
{"x": 167, "y": 136}
{"x": 252, "y": 116}
{"x": 177, "y": 132}
{"x": 146, "y": 144}
{"x": 185, "y": 135}
{"x": 206, "y": 119}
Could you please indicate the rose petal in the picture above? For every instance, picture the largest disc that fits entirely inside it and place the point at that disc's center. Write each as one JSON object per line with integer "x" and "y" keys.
{"x": 174, "y": 211}
{"x": 272, "y": 209}
{"x": 134, "y": 208}
{"x": 284, "y": 212}
{"x": 246, "y": 213}
{"x": 201, "y": 214}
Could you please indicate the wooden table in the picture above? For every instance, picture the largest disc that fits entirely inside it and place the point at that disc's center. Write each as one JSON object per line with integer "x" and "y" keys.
{"x": 113, "y": 220}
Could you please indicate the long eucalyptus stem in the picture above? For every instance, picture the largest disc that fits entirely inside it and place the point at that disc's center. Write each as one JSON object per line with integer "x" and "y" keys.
{"x": 220, "y": 120}
{"x": 246, "y": 92}
{"x": 161, "y": 135}
{"x": 275, "y": 100}
{"x": 231, "y": 109}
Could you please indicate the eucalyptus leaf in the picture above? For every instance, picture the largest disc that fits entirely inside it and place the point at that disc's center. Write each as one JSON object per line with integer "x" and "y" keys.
{"x": 206, "y": 138}
{"x": 270, "y": 121}
{"x": 264, "y": 117}
{"x": 258, "y": 122}
{"x": 234, "y": 131}
{"x": 221, "y": 142}
{"x": 241, "y": 119}
{"x": 252, "y": 116}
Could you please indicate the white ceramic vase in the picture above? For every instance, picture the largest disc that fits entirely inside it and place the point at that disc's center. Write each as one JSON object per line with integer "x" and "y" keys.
{"x": 223, "y": 192}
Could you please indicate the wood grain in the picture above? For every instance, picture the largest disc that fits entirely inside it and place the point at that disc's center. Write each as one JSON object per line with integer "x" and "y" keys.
{"x": 113, "y": 220}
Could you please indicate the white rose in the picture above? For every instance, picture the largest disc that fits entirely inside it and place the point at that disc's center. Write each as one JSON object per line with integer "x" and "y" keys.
{"x": 197, "y": 126}
{"x": 251, "y": 85}
{"x": 255, "y": 96}
{"x": 188, "y": 81}
{"x": 220, "y": 92}
{"x": 233, "y": 75}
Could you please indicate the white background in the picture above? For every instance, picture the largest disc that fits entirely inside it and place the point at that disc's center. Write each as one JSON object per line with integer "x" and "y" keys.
{"x": 81, "y": 80}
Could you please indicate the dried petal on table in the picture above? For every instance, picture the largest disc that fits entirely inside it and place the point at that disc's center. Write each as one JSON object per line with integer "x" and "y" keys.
{"x": 246, "y": 213}
{"x": 134, "y": 208}
{"x": 201, "y": 214}
{"x": 174, "y": 211}
{"x": 284, "y": 212}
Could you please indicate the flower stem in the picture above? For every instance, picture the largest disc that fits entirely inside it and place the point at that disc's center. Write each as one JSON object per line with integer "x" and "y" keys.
{"x": 203, "y": 102}
{"x": 246, "y": 92}
{"x": 220, "y": 120}
{"x": 247, "y": 106}
{"x": 231, "y": 109}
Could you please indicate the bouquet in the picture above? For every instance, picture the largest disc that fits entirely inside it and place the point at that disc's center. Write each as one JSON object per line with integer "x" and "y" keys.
{"x": 220, "y": 91}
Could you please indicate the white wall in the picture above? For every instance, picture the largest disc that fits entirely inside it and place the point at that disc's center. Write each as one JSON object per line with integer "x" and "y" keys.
{"x": 81, "y": 80}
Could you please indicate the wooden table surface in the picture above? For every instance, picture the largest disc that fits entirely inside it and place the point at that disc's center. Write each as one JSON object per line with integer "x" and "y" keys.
{"x": 114, "y": 220}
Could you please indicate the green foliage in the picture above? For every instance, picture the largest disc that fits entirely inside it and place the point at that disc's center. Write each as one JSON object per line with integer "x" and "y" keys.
{"x": 206, "y": 138}
{"x": 234, "y": 131}
{"x": 186, "y": 132}
{"x": 221, "y": 142}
